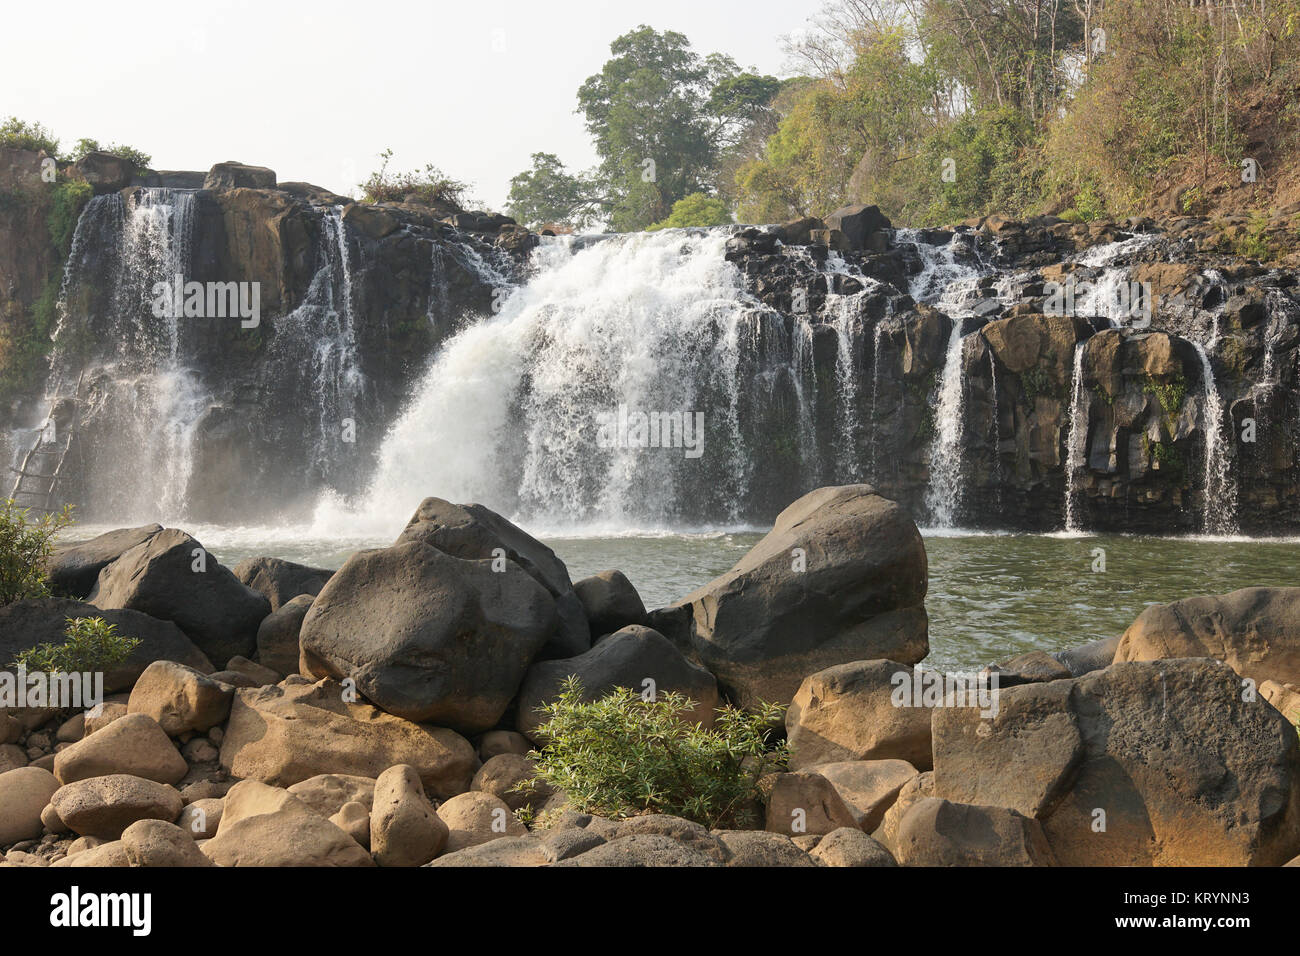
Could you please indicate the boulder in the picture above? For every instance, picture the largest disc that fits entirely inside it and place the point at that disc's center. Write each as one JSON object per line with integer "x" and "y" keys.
{"x": 473, "y": 818}
{"x": 937, "y": 832}
{"x": 805, "y": 802}
{"x": 427, "y": 636}
{"x": 841, "y": 577}
{"x": 642, "y": 850}
{"x": 234, "y": 175}
{"x": 405, "y": 830}
{"x": 105, "y": 806}
{"x": 277, "y": 635}
{"x": 171, "y": 577}
{"x": 1031, "y": 667}
{"x": 848, "y": 846}
{"x": 1256, "y": 631}
{"x": 106, "y": 172}
{"x": 867, "y": 787}
{"x": 180, "y": 698}
{"x": 280, "y": 581}
{"x": 25, "y": 624}
{"x": 353, "y": 819}
{"x": 73, "y": 569}
{"x": 504, "y": 773}
{"x": 1284, "y": 697}
{"x": 1144, "y": 763}
{"x": 24, "y": 794}
{"x": 760, "y": 848}
{"x": 103, "y": 855}
{"x": 858, "y": 711}
{"x": 286, "y": 838}
{"x": 918, "y": 788}
{"x": 156, "y": 843}
{"x": 687, "y": 832}
{"x": 860, "y": 225}
{"x": 202, "y": 818}
{"x": 611, "y": 602}
{"x": 134, "y": 744}
{"x": 290, "y": 732}
{"x": 525, "y": 850}
{"x": 327, "y": 793}
{"x": 251, "y": 798}
{"x": 1089, "y": 657}
{"x": 627, "y": 658}
{"x": 475, "y": 533}
{"x": 259, "y": 674}
{"x": 496, "y": 742}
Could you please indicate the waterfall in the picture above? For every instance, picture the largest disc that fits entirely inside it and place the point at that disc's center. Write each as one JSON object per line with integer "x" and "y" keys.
{"x": 1076, "y": 444}
{"x": 1219, "y": 486}
{"x": 949, "y": 284}
{"x": 514, "y": 411}
{"x": 142, "y": 387}
{"x": 875, "y": 393}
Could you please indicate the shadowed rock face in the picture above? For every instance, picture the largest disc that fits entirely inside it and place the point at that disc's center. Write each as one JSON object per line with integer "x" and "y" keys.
{"x": 1143, "y": 763}
{"x": 841, "y": 577}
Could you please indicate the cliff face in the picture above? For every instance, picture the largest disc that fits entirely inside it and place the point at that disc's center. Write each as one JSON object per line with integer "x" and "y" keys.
{"x": 1181, "y": 420}
{"x": 352, "y": 301}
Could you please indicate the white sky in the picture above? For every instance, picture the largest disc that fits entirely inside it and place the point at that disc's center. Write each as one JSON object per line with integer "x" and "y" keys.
{"x": 316, "y": 90}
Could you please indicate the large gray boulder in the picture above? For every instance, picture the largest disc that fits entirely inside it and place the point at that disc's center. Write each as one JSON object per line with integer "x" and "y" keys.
{"x": 236, "y": 175}
{"x": 427, "y": 636}
{"x": 611, "y": 602}
{"x": 627, "y": 658}
{"x": 841, "y": 577}
{"x": 25, "y": 624}
{"x": 1145, "y": 763}
{"x": 73, "y": 569}
{"x": 277, "y": 635}
{"x": 280, "y": 581}
{"x": 173, "y": 578}
{"x": 474, "y": 533}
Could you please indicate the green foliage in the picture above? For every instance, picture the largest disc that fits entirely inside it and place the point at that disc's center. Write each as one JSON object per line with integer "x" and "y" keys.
{"x": 662, "y": 117}
{"x": 137, "y": 158}
{"x": 549, "y": 194}
{"x": 25, "y": 544}
{"x": 17, "y": 134}
{"x": 428, "y": 186}
{"x": 69, "y": 198}
{"x": 92, "y": 645}
{"x": 1036, "y": 381}
{"x": 697, "y": 209}
{"x": 1166, "y": 459}
{"x": 1170, "y": 394}
{"x": 620, "y": 755}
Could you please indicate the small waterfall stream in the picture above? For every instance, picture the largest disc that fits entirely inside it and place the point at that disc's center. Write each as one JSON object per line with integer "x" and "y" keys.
{"x": 1077, "y": 443}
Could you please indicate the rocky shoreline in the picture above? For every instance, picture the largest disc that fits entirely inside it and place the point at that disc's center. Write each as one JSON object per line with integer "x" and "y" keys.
{"x": 275, "y": 714}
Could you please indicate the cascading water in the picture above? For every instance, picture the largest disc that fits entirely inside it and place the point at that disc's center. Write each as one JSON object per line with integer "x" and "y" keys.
{"x": 141, "y": 385}
{"x": 1076, "y": 444}
{"x": 1219, "y": 487}
{"x": 526, "y": 411}
{"x": 948, "y": 283}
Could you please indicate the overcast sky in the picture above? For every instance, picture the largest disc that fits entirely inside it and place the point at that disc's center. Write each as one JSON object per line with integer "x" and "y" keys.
{"x": 316, "y": 90}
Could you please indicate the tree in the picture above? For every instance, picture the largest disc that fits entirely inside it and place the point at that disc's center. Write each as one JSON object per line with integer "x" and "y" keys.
{"x": 697, "y": 209}
{"x": 661, "y": 117}
{"x": 549, "y": 193}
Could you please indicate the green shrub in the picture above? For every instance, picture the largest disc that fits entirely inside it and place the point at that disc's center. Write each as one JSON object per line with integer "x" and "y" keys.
{"x": 429, "y": 186}
{"x": 92, "y": 645}
{"x": 620, "y": 756}
{"x": 137, "y": 158}
{"x": 697, "y": 209}
{"x": 24, "y": 547}
{"x": 17, "y": 134}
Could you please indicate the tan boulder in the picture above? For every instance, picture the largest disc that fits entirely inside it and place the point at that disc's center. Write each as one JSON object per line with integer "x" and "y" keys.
{"x": 202, "y": 818}
{"x": 867, "y": 787}
{"x": 24, "y": 794}
{"x": 156, "y": 843}
{"x": 251, "y": 798}
{"x": 134, "y": 744}
{"x": 850, "y": 847}
{"x": 290, "y": 732}
{"x": 285, "y": 838}
{"x": 353, "y": 818}
{"x": 180, "y": 698}
{"x": 103, "y": 855}
{"x": 806, "y": 802}
{"x": 937, "y": 832}
{"x": 473, "y": 818}
{"x": 858, "y": 711}
{"x": 405, "y": 830}
{"x": 105, "y": 806}
{"x": 327, "y": 793}
{"x": 502, "y": 774}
